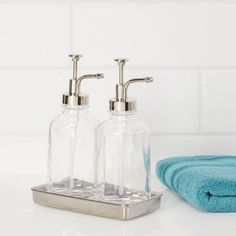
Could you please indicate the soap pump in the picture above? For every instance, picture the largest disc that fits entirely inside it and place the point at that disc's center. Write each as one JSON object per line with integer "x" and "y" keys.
{"x": 123, "y": 162}
{"x": 72, "y": 140}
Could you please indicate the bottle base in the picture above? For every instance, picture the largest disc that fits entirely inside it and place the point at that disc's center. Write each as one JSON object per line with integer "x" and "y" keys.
{"x": 72, "y": 187}
{"x": 125, "y": 195}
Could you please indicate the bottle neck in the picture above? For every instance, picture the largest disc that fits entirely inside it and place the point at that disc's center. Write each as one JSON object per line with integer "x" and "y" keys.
{"x": 123, "y": 115}
{"x": 74, "y": 109}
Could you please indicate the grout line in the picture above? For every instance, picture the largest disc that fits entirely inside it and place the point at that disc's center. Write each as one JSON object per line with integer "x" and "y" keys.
{"x": 141, "y": 67}
{"x": 206, "y": 134}
{"x": 134, "y": 1}
{"x": 136, "y": 67}
{"x": 200, "y": 101}
{"x": 15, "y": 68}
{"x": 8, "y": 134}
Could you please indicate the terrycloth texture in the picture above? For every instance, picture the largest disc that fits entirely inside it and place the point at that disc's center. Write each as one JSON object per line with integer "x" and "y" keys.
{"x": 208, "y": 182}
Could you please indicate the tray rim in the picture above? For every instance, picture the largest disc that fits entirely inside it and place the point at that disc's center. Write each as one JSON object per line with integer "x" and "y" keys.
{"x": 154, "y": 195}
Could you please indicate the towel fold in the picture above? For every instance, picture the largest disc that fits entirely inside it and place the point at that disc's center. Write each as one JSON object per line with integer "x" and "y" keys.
{"x": 208, "y": 182}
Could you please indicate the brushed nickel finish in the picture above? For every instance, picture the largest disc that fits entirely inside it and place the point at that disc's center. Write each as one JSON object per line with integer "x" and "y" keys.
{"x": 82, "y": 99}
{"x": 128, "y": 105}
{"x": 90, "y": 206}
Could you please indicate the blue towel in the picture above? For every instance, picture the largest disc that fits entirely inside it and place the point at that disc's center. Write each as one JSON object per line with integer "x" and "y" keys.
{"x": 208, "y": 182}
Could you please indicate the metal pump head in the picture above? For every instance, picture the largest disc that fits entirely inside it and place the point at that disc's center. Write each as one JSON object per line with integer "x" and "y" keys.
{"x": 121, "y": 102}
{"x": 75, "y": 97}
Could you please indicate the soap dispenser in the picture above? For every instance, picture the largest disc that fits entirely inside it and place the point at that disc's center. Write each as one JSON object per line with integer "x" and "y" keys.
{"x": 123, "y": 160}
{"x": 72, "y": 140}
{"x": 119, "y": 185}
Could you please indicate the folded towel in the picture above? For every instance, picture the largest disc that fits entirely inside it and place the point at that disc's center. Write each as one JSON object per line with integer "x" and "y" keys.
{"x": 208, "y": 182}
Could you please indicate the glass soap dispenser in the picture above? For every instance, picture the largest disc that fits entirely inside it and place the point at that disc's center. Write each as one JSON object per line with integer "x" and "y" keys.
{"x": 123, "y": 161}
{"x": 72, "y": 140}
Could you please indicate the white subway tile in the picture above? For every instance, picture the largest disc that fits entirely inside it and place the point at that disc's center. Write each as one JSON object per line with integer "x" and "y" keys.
{"x": 30, "y": 99}
{"x": 34, "y": 34}
{"x": 172, "y": 34}
{"x": 169, "y": 104}
{"x": 219, "y": 101}
{"x": 187, "y": 145}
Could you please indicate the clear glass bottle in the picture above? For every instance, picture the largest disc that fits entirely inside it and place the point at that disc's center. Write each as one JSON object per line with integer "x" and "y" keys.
{"x": 72, "y": 141}
{"x": 123, "y": 160}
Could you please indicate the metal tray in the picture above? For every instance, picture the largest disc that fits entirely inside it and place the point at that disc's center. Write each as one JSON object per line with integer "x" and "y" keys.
{"x": 94, "y": 207}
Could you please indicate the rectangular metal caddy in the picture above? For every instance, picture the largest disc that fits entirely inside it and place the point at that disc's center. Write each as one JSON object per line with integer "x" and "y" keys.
{"x": 94, "y": 207}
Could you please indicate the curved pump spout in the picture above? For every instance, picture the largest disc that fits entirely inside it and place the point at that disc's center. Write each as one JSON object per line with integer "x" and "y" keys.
{"x": 135, "y": 80}
{"x": 88, "y": 76}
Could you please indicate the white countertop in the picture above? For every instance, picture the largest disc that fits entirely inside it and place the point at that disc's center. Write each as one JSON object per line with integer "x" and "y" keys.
{"x": 20, "y": 216}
